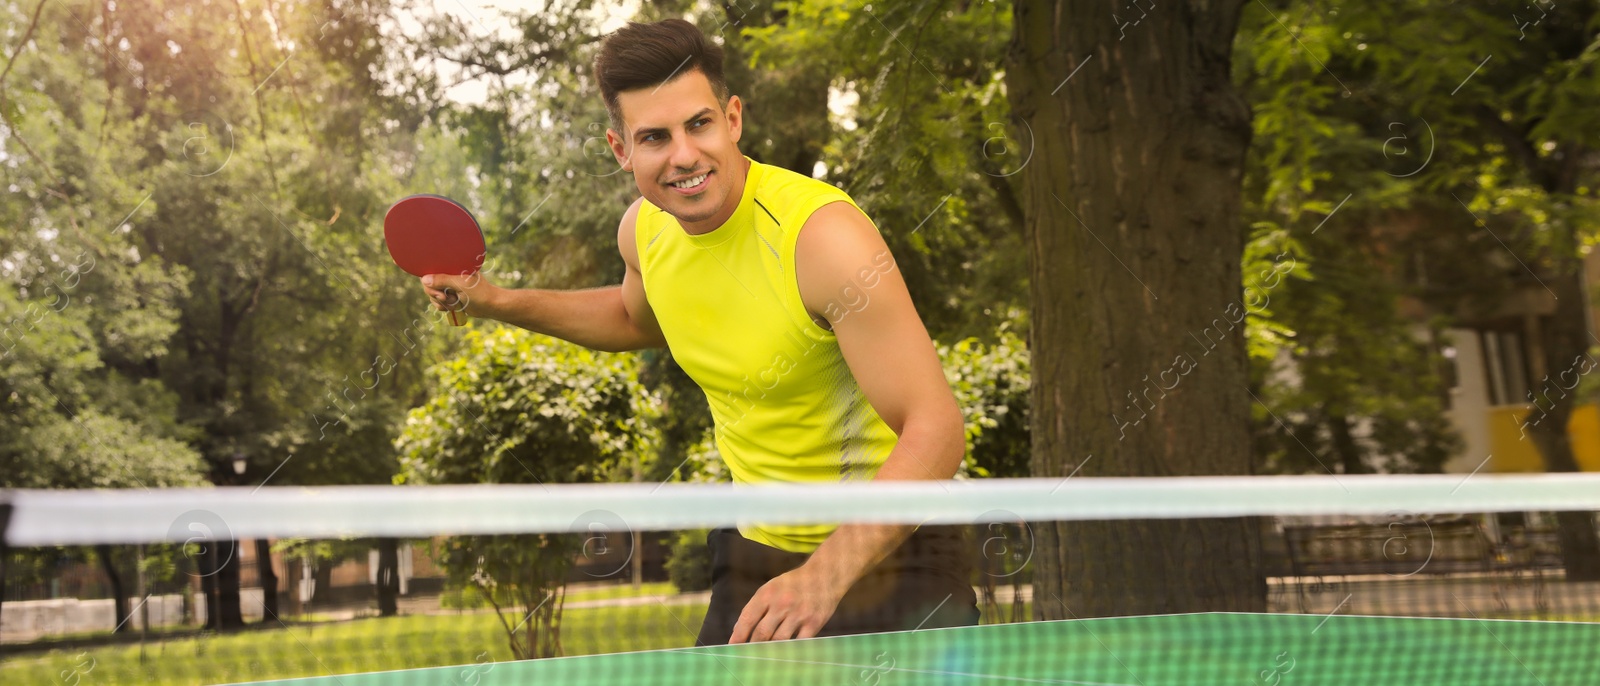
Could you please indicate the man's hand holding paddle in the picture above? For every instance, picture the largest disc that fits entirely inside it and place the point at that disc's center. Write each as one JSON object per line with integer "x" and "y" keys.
{"x": 470, "y": 295}
{"x": 438, "y": 241}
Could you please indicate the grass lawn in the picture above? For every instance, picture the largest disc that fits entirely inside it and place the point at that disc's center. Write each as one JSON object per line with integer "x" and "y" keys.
{"x": 615, "y": 591}
{"x": 471, "y": 599}
{"x": 361, "y": 645}
{"x": 1002, "y": 613}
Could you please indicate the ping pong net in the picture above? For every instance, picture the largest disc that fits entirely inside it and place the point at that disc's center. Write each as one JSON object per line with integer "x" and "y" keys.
{"x": 1197, "y": 580}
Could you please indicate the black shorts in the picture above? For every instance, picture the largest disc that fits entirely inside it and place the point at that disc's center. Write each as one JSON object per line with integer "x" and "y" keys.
{"x": 924, "y": 583}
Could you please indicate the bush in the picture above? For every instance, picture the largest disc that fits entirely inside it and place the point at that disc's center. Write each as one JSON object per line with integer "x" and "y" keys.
{"x": 521, "y": 408}
{"x": 990, "y": 382}
{"x": 689, "y": 561}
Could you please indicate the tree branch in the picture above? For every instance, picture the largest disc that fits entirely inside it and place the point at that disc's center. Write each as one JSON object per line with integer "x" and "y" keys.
{"x": 255, "y": 297}
{"x": 1567, "y": 170}
{"x": 261, "y": 112}
{"x": 16, "y": 134}
{"x": 26, "y": 36}
{"x": 1007, "y": 199}
{"x": 526, "y": 61}
{"x": 1518, "y": 145}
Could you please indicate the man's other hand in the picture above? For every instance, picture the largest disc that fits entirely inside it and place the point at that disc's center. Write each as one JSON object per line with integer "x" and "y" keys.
{"x": 794, "y": 605}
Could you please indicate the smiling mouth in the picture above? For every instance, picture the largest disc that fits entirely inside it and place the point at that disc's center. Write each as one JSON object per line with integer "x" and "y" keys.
{"x": 692, "y": 184}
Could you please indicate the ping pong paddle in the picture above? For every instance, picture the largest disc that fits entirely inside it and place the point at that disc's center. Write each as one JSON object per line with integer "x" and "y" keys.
{"x": 432, "y": 234}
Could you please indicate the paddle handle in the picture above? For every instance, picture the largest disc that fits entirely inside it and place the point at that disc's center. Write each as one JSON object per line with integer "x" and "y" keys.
{"x": 459, "y": 317}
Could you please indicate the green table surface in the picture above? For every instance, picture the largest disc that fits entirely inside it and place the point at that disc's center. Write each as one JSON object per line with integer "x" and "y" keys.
{"x": 1211, "y": 648}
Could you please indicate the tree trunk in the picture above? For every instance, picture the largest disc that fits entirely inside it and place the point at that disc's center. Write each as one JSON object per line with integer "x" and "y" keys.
{"x": 988, "y": 600}
{"x": 388, "y": 577}
{"x": 1564, "y": 343}
{"x": 224, "y": 605}
{"x": 322, "y": 581}
{"x": 552, "y": 620}
{"x": 218, "y": 568}
{"x": 186, "y": 601}
{"x": 1132, "y": 204}
{"x": 142, "y": 590}
{"x": 1344, "y": 444}
{"x": 269, "y": 580}
{"x": 296, "y": 571}
{"x": 5, "y": 554}
{"x": 206, "y": 569}
{"x": 118, "y": 595}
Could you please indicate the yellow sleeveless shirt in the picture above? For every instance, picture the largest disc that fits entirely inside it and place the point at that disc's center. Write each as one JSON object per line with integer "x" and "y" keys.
{"x": 785, "y": 405}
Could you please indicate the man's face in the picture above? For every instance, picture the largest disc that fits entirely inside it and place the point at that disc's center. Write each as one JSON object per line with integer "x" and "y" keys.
{"x": 676, "y": 133}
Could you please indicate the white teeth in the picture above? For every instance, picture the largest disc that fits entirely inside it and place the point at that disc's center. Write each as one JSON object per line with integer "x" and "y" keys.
{"x": 691, "y": 183}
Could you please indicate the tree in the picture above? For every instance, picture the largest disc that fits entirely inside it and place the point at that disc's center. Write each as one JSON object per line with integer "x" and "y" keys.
{"x": 1466, "y": 166}
{"x": 1552, "y": 139}
{"x": 1346, "y": 386}
{"x": 224, "y": 183}
{"x": 924, "y": 149}
{"x": 81, "y": 312}
{"x": 1132, "y": 210}
{"x": 519, "y": 408}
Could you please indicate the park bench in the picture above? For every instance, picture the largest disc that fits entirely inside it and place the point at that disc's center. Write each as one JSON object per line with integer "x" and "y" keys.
{"x": 1402, "y": 549}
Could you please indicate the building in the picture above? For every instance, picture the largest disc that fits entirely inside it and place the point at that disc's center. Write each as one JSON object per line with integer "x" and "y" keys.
{"x": 1500, "y": 380}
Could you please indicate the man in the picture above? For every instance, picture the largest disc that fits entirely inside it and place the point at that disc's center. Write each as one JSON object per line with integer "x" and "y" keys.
{"x": 780, "y": 299}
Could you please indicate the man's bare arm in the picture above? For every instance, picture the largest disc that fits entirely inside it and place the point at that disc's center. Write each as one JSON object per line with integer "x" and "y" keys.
{"x": 612, "y": 319}
{"x": 850, "y": 278}
{"x": 594, "y": 318}
{"x": 847, "y": 275}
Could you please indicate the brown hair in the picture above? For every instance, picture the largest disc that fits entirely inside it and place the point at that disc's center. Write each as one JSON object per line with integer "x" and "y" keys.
{"x": 645, "y": 55}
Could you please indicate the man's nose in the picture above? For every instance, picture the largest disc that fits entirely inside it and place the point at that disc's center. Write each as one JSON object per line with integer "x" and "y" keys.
{"x": 685, "y": 156}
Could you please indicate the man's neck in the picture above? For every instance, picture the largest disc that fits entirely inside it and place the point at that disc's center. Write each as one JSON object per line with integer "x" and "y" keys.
{"x": 729, "y": 205}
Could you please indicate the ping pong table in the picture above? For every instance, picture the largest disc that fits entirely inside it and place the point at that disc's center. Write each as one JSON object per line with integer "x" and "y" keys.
{"x": 1210, "y": 648}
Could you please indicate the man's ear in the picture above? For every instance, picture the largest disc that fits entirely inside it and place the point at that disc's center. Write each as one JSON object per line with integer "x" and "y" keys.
{"x": 621, "y": 148}
{"x": 734, "y": 111}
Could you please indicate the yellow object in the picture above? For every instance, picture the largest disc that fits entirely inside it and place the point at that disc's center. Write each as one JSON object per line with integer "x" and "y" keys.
{"x": 786, "y": 407}
{"x": 1513, "y": 452}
